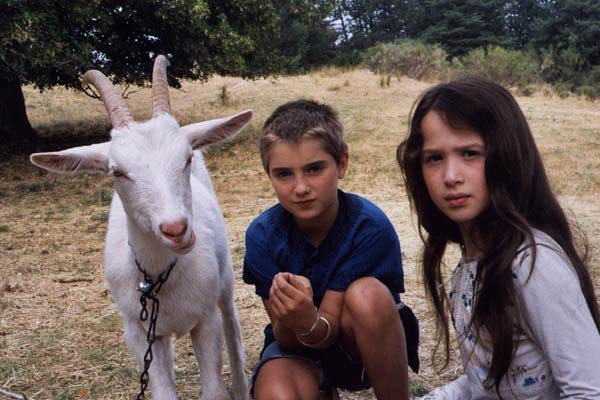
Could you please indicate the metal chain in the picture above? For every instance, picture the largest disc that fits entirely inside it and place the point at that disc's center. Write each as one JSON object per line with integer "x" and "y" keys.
{"x": 149, "y": 290}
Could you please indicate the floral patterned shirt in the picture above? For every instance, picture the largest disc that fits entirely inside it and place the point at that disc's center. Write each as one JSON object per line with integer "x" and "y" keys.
{"x": 557, "y": 343}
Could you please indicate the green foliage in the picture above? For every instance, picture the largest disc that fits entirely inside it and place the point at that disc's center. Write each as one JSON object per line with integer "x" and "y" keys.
{"x": 44, "y": 42}
{"x": 563, "y": 90}
{"x": 304, "y": 38}
{"x": 571, "y": 26}
{"x": 520, "y": 17}
{"x": 593, "y": 77}
{"x": 365, "y": 23}
{"x": 49, "y": 43}
{"x": 461, "y": 26}
{"x": 589, "y": 92}
{"x": 527, "y": 90}
{"x": 591, "y": 86}
{"x": 562, "y": 66}
{"x": 406, "y": 58}
{"x": 507, "y": 67}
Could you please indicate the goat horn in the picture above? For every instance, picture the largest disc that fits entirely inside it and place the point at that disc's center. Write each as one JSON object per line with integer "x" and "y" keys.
{"x": 160, "y": 87}
{"x": 115, "y": 106}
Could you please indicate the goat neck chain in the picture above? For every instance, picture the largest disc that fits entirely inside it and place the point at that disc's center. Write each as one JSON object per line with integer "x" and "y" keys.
{"x": 149, "y": 289}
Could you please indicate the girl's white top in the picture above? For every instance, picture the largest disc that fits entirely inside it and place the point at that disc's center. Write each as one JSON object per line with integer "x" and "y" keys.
{"x": 557, "y": 343}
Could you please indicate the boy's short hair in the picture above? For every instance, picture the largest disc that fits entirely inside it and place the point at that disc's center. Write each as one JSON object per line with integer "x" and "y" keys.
{"x": 295, "y": 120}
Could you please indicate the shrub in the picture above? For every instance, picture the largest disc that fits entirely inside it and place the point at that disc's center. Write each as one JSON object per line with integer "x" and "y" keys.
{"x": 527, "y": 90}
{"x": 589, "y": 92}
{"x": 591, "y": 87}
{"x": 506, "y": 67}
{"x": 563, "y": 90}
{"x": 562, "y": 66}
{"x": 406, "y": 58}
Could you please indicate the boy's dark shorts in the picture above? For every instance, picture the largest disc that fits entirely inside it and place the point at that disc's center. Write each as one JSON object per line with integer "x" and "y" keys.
{"x": 337, "y": 368}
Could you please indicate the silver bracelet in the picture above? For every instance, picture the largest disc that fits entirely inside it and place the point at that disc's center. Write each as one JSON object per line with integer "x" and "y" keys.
{"x": 312, "y": 328}
{"x": 320, "y": 343}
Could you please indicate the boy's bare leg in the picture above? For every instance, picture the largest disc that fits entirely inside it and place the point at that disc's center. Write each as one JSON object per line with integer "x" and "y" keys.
{"x": 287, "y": 378}
{"x": 372, "y": 330}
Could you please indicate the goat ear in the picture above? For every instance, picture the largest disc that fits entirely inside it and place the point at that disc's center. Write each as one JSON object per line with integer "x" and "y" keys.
{"x": 72, "y": 161}
{"x": 205, "y": 133}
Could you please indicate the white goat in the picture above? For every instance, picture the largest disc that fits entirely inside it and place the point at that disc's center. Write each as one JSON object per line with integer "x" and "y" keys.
{"x": 165, "y": 209}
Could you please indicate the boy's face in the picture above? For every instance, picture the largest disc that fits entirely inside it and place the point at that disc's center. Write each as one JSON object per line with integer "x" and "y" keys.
{"x": 305, "y": 179}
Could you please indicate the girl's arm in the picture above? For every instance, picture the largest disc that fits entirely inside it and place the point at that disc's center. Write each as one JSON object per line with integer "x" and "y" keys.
{"x": 559, "y": 321}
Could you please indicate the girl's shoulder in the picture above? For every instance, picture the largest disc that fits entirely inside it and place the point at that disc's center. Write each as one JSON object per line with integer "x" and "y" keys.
{"x": 543, "y": 261}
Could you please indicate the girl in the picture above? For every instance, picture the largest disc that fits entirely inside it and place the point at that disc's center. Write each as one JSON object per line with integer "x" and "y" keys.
{"x": 521, "y": 298}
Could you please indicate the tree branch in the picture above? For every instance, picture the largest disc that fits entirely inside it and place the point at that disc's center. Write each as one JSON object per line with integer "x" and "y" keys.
{"x": 13, "y": 395}
{"x": 73, "y": 280}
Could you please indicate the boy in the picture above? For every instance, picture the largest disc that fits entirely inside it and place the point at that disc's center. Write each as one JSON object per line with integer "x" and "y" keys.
{"x": 328, "y": 268}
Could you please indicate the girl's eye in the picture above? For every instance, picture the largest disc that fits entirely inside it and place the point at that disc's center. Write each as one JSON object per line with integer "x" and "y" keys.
{"x": 282, "y": 174}
{"x": 432, "y": 158}
{"x": 470, "y": 153}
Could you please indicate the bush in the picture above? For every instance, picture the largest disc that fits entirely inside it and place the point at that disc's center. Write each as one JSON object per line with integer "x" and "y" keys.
{"x": 590, "y": 88}
{"x": 506, "y": 67}
{"x": 589, "y": 92}
{"x": 563, "y": 90}
{"x": 592, "y": 78}
{"x": 526, "y": 90}
{"x": 562, "y": 66}
{"x": 407, "y": 58}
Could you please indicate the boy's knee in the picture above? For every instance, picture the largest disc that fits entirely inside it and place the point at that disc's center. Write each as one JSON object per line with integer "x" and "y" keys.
{"x": 274, "y": 391}
{"x": 368, "y": 297}
{"x": 286, "y": 378}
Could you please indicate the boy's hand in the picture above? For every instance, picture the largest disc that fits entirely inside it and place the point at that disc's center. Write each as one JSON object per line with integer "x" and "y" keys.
{"x": 301, "y": 283}
{"x": 292, "y": 303}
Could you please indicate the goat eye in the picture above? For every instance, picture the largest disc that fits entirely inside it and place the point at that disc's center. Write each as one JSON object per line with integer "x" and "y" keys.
{"x": 116, "y": 173}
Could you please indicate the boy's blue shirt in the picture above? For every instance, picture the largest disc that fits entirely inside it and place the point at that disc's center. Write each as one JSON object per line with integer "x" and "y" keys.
{"x": 362, "y": 242}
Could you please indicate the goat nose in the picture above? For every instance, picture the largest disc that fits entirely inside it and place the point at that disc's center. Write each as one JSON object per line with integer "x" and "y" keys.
{"x": 175, "y": 229}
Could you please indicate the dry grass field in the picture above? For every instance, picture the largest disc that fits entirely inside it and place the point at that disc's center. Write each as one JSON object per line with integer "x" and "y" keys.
{"x": 60, "y": 333}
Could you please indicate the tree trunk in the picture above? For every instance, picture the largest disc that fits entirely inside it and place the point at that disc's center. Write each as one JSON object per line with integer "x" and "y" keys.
{"x": 14, "y": 124}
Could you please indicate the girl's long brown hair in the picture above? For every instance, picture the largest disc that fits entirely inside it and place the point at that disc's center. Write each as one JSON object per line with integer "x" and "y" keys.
{"x": 520, "y": 198}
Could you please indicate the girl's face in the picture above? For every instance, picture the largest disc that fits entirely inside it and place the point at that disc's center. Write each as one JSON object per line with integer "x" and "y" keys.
{"x": 453, "y": 166}
{"x": 305, "y": 178}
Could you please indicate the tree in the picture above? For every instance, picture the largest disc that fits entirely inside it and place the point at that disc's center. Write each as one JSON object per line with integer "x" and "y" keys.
{"x": 520, "y": 18}
{"x": 463, "y": 25}
{"x": 51, "y": 43}
{"x": 42, "y": 43}
{"x": 570, "y": 26}
{"x": 306, "y": 39}
{"x": 364, "y": 23}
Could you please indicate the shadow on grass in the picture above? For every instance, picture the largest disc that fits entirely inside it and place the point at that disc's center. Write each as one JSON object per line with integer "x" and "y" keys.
{"x": 53, "y": 138}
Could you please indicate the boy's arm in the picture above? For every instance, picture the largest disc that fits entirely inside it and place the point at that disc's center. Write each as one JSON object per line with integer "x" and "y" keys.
{"x": 291, "y": 311}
